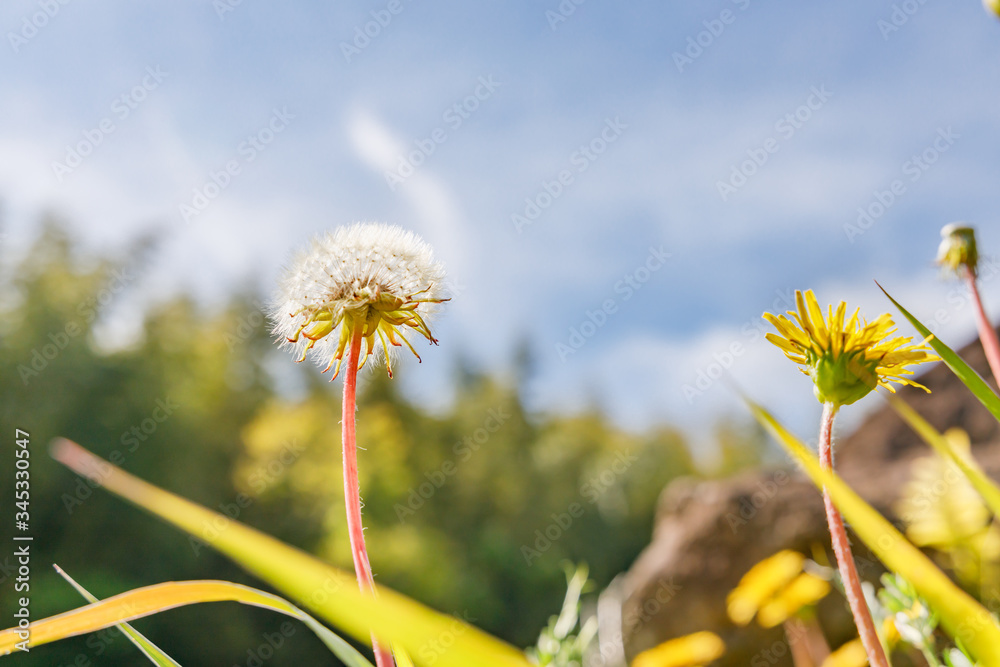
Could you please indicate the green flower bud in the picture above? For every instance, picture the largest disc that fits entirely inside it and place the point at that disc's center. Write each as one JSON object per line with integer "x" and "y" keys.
{"x": 958, "y": 247}
{"x": 843, "y": 381}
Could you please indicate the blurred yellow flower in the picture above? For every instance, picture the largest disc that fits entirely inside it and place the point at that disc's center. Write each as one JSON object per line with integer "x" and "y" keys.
{"x": 774, "y": 589}
{"x": 805, "y": 590}
{"x": 692, "y": 650}
{"x": 939, "y": 505}
{"x": 851, "y": 654}
{"x": 762, "y": 581}
{"x": 845, "y": 361}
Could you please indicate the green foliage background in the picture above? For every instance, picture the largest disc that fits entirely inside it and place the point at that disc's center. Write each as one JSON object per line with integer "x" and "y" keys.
{"x": 451, "y": 500}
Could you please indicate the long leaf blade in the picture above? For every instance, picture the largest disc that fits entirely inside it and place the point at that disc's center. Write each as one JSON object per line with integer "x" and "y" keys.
{"x": 155, "y": 654}
{"x": 986, "y": 488}
{"x": 961, "y": 615}
{"x": 970, "y": 378}
{"x": 149, "y": 600}
{"x": 329, "y": 592}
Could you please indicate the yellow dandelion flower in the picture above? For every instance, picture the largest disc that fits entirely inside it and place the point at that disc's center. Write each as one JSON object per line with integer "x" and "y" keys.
{"x": 845, "y": 361}
{"x": 692, "y": 650}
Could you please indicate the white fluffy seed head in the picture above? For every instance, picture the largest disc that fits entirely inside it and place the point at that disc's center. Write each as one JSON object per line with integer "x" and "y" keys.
{"x": 349, "y": 269}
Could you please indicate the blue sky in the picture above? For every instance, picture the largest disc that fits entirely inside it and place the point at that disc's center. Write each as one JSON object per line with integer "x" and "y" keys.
{"x": 807, "y": 112}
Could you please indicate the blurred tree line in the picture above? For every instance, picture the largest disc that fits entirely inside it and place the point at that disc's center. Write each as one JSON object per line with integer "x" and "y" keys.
{"x": 472, "y": 511}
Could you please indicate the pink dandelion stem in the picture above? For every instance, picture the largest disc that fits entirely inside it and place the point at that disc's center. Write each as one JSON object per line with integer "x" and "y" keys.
{"x": 842, "y": 550}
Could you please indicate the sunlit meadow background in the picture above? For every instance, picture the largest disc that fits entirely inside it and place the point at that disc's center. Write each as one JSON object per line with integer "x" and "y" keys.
{"x": 618, "y": 192}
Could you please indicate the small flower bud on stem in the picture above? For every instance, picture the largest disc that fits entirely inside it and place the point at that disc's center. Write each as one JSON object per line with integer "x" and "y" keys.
{"x": 959, "y": 254}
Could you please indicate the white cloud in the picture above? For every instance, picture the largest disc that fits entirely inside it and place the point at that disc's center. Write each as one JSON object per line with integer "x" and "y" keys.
{"x": 437, "y": 208}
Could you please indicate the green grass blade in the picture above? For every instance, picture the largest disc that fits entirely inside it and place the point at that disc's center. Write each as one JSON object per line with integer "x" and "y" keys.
{"x": 148, "y": 648}
{"x": 340, "y": 648}
{"x": 331, "y": 593}
{"x": 986, "y": 488}
{"x": 961, "y": 615}
{"x": 149, "y": 600}
{"x": 970, "y": 378}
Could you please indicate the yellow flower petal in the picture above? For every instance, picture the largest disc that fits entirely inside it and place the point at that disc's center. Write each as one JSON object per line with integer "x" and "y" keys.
{"x": 761, "y": 583}
{"x": 806, "y": 589}
{"x": 689, "y": 651}
{"x": 851, "y": 654}
{"x": 845, "y": 361}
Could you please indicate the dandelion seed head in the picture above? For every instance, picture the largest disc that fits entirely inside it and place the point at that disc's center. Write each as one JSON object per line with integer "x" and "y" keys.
{"x": 375, "y": 280}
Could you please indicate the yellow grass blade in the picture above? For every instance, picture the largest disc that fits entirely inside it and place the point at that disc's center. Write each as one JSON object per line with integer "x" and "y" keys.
{"x": 980, "y": 482}
{"x": 428, "y": 636}
{"x": 161, "y": 597}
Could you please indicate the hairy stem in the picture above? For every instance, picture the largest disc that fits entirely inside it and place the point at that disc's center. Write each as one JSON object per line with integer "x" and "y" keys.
{"x": 842, "y": 551}
{"x": 987, "y": 334}
{"x": 352, "y": 487}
